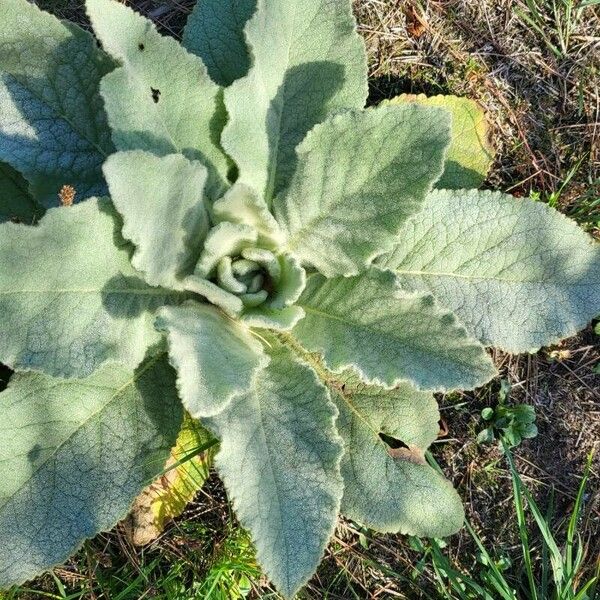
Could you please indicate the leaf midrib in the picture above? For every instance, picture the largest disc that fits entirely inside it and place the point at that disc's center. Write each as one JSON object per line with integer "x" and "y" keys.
{"x": 484, "y": 278}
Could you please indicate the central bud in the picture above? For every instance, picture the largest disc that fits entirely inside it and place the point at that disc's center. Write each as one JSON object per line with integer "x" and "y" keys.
{"x": 252, "y": 275}
{"x": 243, "y": 267}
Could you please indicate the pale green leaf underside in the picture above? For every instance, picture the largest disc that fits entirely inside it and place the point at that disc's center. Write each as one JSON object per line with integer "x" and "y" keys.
{"x": 360, "y": 175}
{"x": 15, "y": 200}
{"x": 517, "y": 273}
{"x": 73, "y": 456}
{"x": 308, "y": 61}
{"x": 388, "y": 335}
{"x": 69, "y": 298}
{"x": 216, "y": 358}
{"x": 215, "y": 33}
{"x": 52, "y": 122}
{"x": 392, "y": 490}
{"x": 161, "y": 200}
{"x": 161, "y": 99}
{"x": 279, "y": 460}
{"x": 470, "y": 153}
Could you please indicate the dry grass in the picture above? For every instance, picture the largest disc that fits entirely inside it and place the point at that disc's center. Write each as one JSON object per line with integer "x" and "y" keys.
{"x": 541, "y": 92}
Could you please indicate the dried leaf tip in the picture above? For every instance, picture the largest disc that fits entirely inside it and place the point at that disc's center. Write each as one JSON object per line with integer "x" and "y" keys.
{"x": 67, "y": 195}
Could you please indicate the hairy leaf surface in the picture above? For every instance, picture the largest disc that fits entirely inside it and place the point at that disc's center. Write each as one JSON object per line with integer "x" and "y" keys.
{"x": 69, "y": 298}
{"x": 517, "y": 273}
{"x": 52, "y": 123}
{"x": 15, "y": 201}
{"x": 216, "y": 358}
{"x": 360, "y": 175}
{"x": 388, "y": 335}
{"x": 470, "y": 153}
{"x": 308, "y": 61}
{"x": 162, "y": 98}
{"x": 392, "y": 488}
{"x": 73, "y": 456}
{"x": 161, "y": 200}
{"x": 215, "y": 32}
{"x": 243, "y": 205}
{"x": 279, "y": 459}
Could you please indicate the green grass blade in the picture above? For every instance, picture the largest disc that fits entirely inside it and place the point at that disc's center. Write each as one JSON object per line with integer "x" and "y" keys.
{"x": 520, "y": 509}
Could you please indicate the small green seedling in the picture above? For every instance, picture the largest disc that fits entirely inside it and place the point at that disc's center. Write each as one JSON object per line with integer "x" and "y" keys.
{"x": 512, "y": 424}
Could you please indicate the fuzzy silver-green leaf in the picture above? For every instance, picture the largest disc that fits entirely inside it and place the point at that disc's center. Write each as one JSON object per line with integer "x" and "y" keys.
{"x": 279, "y": 459}
{"x": 360, "y": 175}
{"x": 74, "y": 453}
{"x": 517, "y": 273}
{"x": 161, "y": 200}
{"x": 215, "y": 32}
{"x": 52, "y": 123}
{"x": 69, "y": 297}
{"x": 216, "y": 358}
{"x": 392, "y": 489}
{"x": 307, "y": 61}
{"x": 161, "y": 99}
{"x": 388, "y": 335}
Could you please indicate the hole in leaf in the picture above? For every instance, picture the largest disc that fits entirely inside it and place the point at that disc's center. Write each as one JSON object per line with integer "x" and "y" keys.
{"x": 400, "y": 451}
{"x": 155, "y": 95}
{"x": 5, "y": 375}
{"x": 392, "y": 442}
{"x": 443, "y": 428}
{"x": 141, "y": 47}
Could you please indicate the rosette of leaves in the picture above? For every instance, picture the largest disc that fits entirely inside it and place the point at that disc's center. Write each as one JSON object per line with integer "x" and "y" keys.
{"x": 252, "y": 245}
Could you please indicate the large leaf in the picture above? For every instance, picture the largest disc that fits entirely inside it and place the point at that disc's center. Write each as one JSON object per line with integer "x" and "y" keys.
{"x": 517, "y": 273}
{"x": 216, "y": 358}
{"x": 161, "y": 200}
{"x": 308, "y": 61}
{"x": 470, "y": 153}
{"x": 215, "y": 32}
{"x": 279, "y": 459}
{"x": 69, "y": 298}
{"x": 388, "y": 486}
{"x": 388, "y": 335}
{"x": 360, "y": 175}
{"x": 162, "y": 98}
{"x": 73, "y": 456}
{"x": 15, "y": 201}
{"x": 52, "y": 123}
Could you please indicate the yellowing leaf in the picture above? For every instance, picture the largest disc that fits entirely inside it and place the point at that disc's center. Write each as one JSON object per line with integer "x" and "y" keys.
{"x": 470, "y": 153}
{"x": 167, "y": 497}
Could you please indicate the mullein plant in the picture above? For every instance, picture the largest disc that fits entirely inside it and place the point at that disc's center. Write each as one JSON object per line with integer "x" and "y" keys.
{"x": 220, "y": 227}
